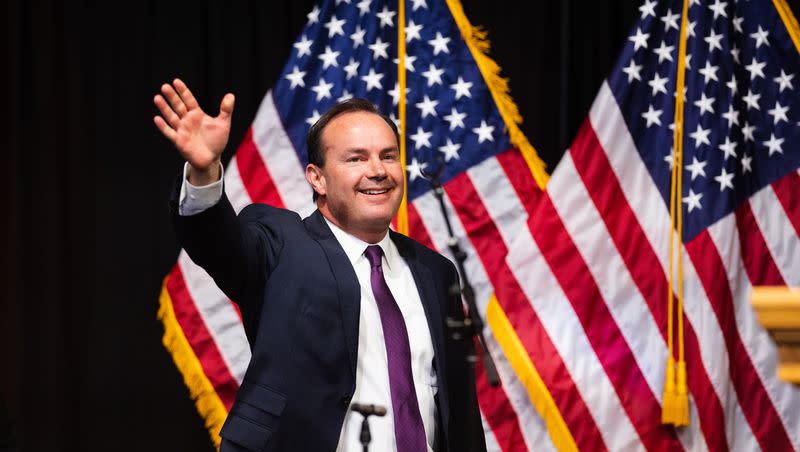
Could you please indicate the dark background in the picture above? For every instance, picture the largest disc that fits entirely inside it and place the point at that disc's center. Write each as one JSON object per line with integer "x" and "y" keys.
{"x": 85, "y": 177}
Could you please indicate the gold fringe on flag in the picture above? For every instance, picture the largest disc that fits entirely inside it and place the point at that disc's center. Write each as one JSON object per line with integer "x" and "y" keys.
{"x": 208, "y": 403}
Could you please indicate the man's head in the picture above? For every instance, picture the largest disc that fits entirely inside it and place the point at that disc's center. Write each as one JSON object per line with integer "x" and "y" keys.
{"x": 354, "y": 168}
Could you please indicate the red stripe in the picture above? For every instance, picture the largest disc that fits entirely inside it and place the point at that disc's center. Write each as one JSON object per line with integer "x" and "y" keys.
{"x": 203, "y": 345}
{"x": 255, "y": 175}
{"x": 524, "y": 184}
{"x": 491, "y": 249}
{"x": 642, "y": 262}
{"x": 758, "y": 261}
{"x": 416, "y": 229}
{"x": 601, "y": 330}
{"x": 498, "y": 412}
{"x": 753, "y": 398}
{"x": 787, "y": 189}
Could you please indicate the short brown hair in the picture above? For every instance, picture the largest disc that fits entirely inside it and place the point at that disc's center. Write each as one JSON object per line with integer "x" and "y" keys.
{"x": 314, "y": 149}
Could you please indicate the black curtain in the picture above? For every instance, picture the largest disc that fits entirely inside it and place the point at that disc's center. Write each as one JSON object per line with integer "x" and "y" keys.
{"x": 85, "y": 177}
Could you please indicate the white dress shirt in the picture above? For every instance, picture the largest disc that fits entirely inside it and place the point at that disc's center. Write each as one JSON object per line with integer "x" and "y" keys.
{"x": 372, "y": 375}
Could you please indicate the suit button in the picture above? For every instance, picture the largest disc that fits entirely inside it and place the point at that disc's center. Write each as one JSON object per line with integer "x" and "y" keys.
{"x": 345, "y": 402}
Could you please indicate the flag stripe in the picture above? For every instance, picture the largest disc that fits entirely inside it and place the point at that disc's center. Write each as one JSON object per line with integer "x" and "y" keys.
{"x": 778, "y": 234}
{"x": 416, "y": 229}
{"x": 255, "y": 176}
{"x": 234, "y": 187}
{"x": 787, "y": 193}
{"x": 524, "y": 184}
{"x": 758, "y": 262}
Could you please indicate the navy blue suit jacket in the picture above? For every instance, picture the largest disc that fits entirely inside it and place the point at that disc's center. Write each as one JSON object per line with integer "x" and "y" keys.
{"x": 300, "y": 300}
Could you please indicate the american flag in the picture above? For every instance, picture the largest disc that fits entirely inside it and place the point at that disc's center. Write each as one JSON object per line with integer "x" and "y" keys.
{"x": 594, "y": 259}
{"x": 460, "y": 121}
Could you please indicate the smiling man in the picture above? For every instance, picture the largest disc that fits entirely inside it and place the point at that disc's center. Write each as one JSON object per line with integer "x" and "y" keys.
{"x": 337, "y": 308}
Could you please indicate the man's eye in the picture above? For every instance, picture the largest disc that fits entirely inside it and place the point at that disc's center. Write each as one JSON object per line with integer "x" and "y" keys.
{"x": 390, "y": 157}
{"x": 353, "y": 159}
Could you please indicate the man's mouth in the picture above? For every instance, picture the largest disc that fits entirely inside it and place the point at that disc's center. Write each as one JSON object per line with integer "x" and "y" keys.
{"x": 375, "y": 191}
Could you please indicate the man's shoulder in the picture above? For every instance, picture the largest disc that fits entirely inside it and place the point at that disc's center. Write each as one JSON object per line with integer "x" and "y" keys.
{"x": 433, "y": 259}
{"x": 269, "y": 214}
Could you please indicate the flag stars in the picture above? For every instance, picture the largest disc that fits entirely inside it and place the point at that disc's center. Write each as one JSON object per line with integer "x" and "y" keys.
{"x": 386, "y": 17}
{"x": 747, "y": 162}
{"x": 751, "y": 99}
{"x": 690, "y": 29}
{"x": 714, "y": 41}
{"x": 345, "y": 95}
{"x": 709, "y": 73}
{"x": 737, "y": 24}
{"x": 296, "y": 78}
{"x": 664, "y": 52}
{"x": 658, "y": 84}
{"x": 705, "y": 104}
{"x": 439, "y": 44}
{"x": 303, "y": 46}
{"x": 415, "y": 169}
{"x": 363, "y": 7}
{"x": 410, "y": 59}
{"x": 648, "y": 9}
{"x": 434, "y": 75}
{"x": 784, "y": 81}
{"x": 419, "y": 4}
{"x": 412, "y": 31}
{"x": 450, "y": 150}
{"x": 427, "y": 107}
{"x": 395, "y": 93}
{"x": 732, "y": 115}
{"x": 379, "y": 49}
{"x": 329, "y": 58}
{"x": 639, "y": 39}
{"x": 697, "y": 168}
{"x": 725, "y": 180}
{"x": 652, "y": 116}
{"x": 323, "y": 89}
{"x": 358, "y": 36}
{"x": 484, "y": 132}
{"x": 633, "y": 70}
{"x": 756, "y": 69}
{"x": 728, "y": 148}
{"x": 352, "y": 68}
{"x": 373, "y": 80}
{"x": 692, "y": 200}
{"x": 334, "y": 26}
{"x": 747, "y": 132}
{"x": 313, "y": 118}
{"x": 455, "y": 118}
{"x": 670, "y": 21}
{"x": 313, "y": 16}
{"x": 735, "y": 53}
{"x": 700, "y": 136}
{"x": 761, "y": 37}
{"x": 718, "y": 8}
{"x": 732, "y": 85}
{"x": 461, "y": 88}
{"x": 421, "y": 138}
{"x": 774, "y": 144}
{"x": 670, "y": 158}
{"x": 778, "y": 113}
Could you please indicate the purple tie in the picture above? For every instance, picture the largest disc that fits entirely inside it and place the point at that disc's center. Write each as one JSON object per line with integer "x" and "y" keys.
{"x": 409, "y": 431}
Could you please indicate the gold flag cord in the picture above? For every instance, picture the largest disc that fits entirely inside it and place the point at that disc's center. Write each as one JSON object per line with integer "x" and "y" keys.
{"x": 402, "y": 214}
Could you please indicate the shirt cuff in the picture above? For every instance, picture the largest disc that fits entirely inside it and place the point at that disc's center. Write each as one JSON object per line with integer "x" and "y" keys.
{"x": 194, "y": 199}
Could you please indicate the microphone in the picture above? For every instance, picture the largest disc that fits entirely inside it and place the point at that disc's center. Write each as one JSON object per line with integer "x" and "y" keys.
{"x": 368, "y": 409}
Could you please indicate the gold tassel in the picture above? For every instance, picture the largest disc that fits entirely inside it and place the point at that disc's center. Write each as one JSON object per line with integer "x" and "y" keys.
{"x": 681, "y": 418}
{"x": 669, "y": 406}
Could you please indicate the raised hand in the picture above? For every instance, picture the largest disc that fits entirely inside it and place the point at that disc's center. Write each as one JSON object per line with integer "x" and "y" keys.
{"x": 199, "y": 137}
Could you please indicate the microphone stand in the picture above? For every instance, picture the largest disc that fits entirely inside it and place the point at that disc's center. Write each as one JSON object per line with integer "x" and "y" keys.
{"x": 472, "y": 325}
{"x": 366, "y": 411}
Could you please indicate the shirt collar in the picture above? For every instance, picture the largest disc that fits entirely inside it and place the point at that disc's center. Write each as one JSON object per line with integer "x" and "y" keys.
{"x": 354, "y": 247}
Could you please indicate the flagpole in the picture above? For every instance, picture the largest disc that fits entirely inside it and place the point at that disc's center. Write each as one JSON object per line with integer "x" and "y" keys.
{"x": 402, "y": 214}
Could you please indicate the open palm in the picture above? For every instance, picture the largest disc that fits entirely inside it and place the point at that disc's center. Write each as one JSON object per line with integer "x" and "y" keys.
{"x": 200, "y": 138}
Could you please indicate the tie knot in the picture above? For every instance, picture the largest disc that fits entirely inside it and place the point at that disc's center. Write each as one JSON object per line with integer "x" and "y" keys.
{"x": 374, "y": 254}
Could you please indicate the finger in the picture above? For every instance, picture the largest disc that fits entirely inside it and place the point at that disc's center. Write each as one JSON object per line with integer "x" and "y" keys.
{"x": 165, "y": 129}
{"x": 174, "y": 99}
{"x": 166, "y": 111}
{"x": 186, "y": 95}
{"x": 226, "y": 107}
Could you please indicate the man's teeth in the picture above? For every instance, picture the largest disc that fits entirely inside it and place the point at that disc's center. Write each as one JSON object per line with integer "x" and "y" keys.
{"x": 376, "y": 192}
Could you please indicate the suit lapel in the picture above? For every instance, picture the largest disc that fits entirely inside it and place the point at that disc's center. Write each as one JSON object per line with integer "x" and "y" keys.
{"x": 349, "y": 291}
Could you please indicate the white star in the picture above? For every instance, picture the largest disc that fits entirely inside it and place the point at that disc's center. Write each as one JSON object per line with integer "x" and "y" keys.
{"x": 372, "y": 79}
{"x": 693, "y": 200}
{"x": 358, "y": 36}
{"x": 670, "y": 159}
{"x": 412, "y": 31}
{"x": 323, "y": 89}
{"x": 421, "y": 138}
{"x": 648, "y": 9}
{"x": 735, "y": 53}
{"x": 747, "y": 132}
{"x": 439, "y": 44}
{"x": 670, "y": 20}
{"x": 386, "y": 17}
{"x": 652, "y": 116}
{"x": 394, "y": 120}
{"x": 774, "y": 144}
{"x": 760, "y": 36}
{"x": 658, "y": 84}
{"x": 639, "y": 39}
{"x": 461, "y": 88}
{"x": 633, "y": 71}
{"x": 455, "y": 118}
{"x": 345, "y": 95}
{"x": 664, "y": 52}
{"x": 395, "y": 93}
{"x": 725, "y": 180}
{"x": 700, "y": 136}
{"x": 419, "y": 3}
{"x": 379, "y": 48}
{"x": 751, "y": 99}
{"x": 690, "y": 29}
{"x": 709, "y": 72}
{"x": 427, "y": 107}
{"x": 334, "y": 26}
{"x": 342, "y": 1}
{"x": 410, "y": 59}
{"x": 755, "y": 68}
{"x": 303, "y": 46}
{"x": 697, "y": 168}
{"x": 683, "y": 95}
{"x": 329, "y": 58}
{"x": 363, "y": 7}
{"x": 746, "y": 164}
{"x": 732, "y": 85}
{"x": 688, "y": 61}
{"x": 737, "y": 23}
{"x": 714, "y": 41}
{"x": 296, "y": 77}
{"x": 705, "y": 104}
{"x": 415, "y": 169}
{"x": 718, "y": 8}
{"x": 729, "y": 148}
{"x": 351, "y": 69}
{"x": 778, "y": 113}
{"x": 313, "y": 16}
{"x": 450, "y": 150}
{"x": 313, "y": 118}
{"x": 732, "y": 116}
{"x": 434, "y": 75}
{"x": 484, "y": 132}
{"x": 785, "y": 81}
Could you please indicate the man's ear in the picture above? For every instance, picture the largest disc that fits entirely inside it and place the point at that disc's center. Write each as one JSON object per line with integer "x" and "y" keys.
{"x": 315, "y": 177}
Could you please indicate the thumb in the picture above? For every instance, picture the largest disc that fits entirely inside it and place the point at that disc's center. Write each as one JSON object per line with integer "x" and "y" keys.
{"x": 226, "y": 107}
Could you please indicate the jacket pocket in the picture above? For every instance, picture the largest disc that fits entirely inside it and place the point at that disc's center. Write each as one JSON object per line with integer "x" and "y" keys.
{"x": 254, "y": 416}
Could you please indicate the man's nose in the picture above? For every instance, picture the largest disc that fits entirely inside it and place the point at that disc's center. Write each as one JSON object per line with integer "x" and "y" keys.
{"x": 376, "y": 168}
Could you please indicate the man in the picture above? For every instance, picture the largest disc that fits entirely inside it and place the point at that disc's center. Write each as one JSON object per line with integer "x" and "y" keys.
{"x": 338, "y": 309}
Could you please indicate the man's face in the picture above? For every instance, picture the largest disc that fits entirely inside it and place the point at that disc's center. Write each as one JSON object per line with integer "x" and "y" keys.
{"x": 361, "y": 182}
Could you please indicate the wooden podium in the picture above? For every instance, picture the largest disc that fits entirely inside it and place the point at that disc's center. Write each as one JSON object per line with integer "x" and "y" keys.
{"x": 778, "y": 310}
